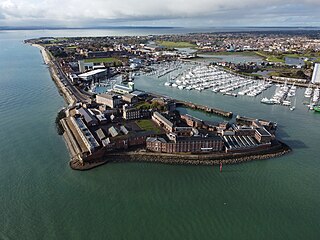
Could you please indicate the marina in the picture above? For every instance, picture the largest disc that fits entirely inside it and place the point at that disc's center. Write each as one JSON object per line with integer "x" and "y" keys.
{"x": 200, "y": 77}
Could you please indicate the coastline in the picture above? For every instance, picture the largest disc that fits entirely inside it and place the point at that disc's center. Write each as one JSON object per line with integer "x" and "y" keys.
{"x": 63, "y": 90}
{"x": 44, "y": 53}
{"x": 278, "y": 150}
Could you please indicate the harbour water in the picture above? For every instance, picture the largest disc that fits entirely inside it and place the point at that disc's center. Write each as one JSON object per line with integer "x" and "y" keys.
{"x": 230, "y": 58}
{"x": 42, "y": 198}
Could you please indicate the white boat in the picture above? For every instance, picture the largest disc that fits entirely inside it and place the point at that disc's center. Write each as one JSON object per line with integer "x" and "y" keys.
{"x": 267, "y": 101}
{"x": 174, "y": 85}
{"x": 168, "y": 84}
{"x": 181, "y": 87}
{"x": 286, "y": 103}
{"x": 308, "y": 92}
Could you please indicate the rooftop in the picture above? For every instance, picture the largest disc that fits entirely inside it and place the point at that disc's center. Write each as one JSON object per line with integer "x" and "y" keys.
{"x": 160, "y": 116}
{"x": 92, "y": 73}
{"x": 263, "y": 132}
{"x": 88, "y": 117}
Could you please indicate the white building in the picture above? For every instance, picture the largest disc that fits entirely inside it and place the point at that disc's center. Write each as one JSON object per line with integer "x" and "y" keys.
{"x": 316, "y": 74}
{"x": 93, "y": 75}
{"x": 123, "y": 89}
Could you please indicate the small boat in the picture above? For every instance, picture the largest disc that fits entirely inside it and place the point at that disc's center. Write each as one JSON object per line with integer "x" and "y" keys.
{"x": 308, "y": 92}
{"x": 294, "y": 106}
{"x": 286, "y": 103}
{"x": 267, "y": 101}
{"x": 316, "y": 108}
{"x": 311, "y": 107}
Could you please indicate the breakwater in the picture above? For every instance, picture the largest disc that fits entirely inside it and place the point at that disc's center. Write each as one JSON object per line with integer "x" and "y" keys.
{"x": 204, "y": 108}
{"x": 181, "y": 103}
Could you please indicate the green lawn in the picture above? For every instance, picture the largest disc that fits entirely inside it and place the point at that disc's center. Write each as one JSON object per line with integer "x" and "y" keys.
{"x": 148, "y": 125}
{"x": 170, "y": 44}
{"x": 271, "y": 57}
{"x": 103, "y": 60}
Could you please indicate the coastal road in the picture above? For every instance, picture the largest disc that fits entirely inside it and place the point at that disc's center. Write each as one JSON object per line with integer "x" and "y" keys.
{"x": 65, "y": 80}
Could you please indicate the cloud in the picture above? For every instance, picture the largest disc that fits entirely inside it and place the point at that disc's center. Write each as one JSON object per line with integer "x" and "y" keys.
{"x": 80, "y": 12}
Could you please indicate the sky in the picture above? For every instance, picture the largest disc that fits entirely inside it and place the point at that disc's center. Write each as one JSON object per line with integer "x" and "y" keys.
{"x": 173, "y": 13}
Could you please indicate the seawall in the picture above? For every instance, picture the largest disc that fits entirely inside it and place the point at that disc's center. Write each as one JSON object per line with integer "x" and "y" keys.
{"x": 188, "y": 159}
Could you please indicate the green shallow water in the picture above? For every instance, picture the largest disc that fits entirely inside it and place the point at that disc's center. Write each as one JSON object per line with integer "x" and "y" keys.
{"x": 42, "y": 198}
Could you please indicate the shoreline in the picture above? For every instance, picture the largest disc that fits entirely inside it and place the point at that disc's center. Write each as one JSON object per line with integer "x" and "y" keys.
{"x": 62, "y": 89}
{"x": 180, "y": 159}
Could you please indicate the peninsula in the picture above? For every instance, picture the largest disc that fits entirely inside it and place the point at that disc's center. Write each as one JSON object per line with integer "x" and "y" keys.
{"x": 123, "y": 123}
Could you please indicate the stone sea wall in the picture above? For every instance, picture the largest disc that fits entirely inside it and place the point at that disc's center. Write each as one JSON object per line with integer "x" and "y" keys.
{"x": 205, "y": 159}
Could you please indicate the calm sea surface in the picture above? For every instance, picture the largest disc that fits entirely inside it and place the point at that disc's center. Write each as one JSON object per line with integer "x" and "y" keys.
{"x": 42, "y": 198}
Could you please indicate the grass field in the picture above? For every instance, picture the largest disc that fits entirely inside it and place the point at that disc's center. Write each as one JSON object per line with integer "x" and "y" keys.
{"x": 148, "y": 125}
{"x": 271, "y": 57}
{"x": 103, "y": 60}
{"x": 170, "y": 44}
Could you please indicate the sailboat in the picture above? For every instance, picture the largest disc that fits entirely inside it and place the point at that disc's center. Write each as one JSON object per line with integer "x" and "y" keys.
{"x": 294, "y": 106}
{"x": 168, "y": 83}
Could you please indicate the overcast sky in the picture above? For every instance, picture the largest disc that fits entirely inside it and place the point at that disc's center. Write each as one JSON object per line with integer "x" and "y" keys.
{"x": 184, "y": 13}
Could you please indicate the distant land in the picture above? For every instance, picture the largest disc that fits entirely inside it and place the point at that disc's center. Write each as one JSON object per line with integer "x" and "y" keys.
{"x": 62, "y": 28}
{"x": 158, "y": 27}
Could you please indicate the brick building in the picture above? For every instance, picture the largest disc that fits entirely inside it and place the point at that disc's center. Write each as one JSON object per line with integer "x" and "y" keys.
{"x": 185, "y": 144}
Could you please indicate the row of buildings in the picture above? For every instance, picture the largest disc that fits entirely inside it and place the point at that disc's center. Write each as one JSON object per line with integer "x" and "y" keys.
{"x": 197, "y": 136}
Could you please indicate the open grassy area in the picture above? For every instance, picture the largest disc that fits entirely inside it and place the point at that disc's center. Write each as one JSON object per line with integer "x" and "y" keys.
{"x": 148, "y": 125}
{"x": 170, "y": 44}
{"x": 103, "y": 60}
{"x": 271, "y": 57}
